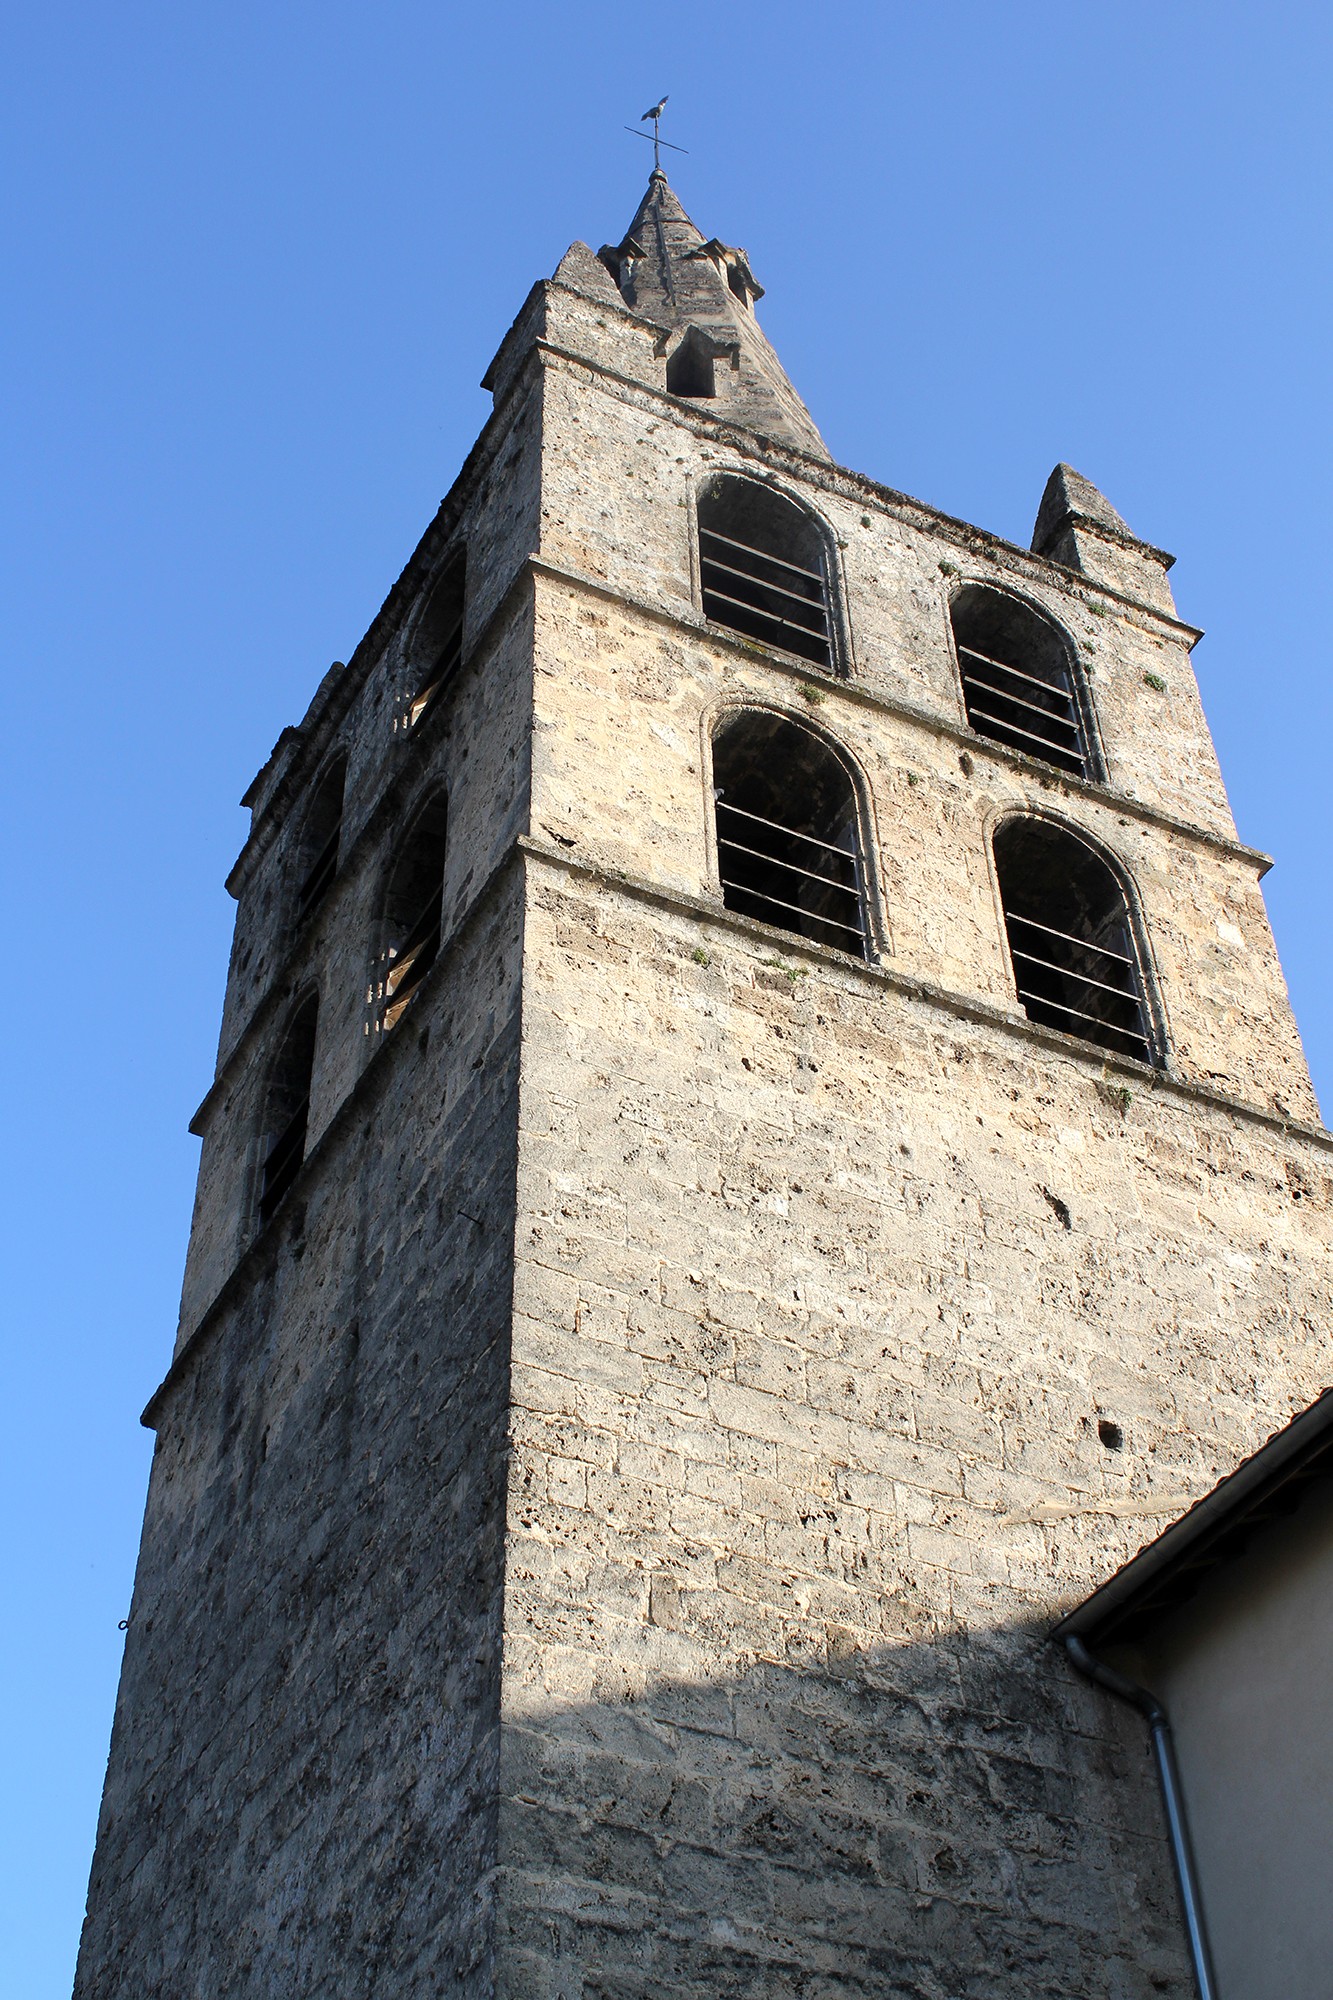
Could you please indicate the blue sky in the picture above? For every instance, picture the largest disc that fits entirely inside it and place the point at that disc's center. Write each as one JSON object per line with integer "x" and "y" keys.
{"x": 259, "y": 257}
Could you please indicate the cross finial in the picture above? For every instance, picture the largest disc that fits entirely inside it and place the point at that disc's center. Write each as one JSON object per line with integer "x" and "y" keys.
{"x": 654, "y": 112}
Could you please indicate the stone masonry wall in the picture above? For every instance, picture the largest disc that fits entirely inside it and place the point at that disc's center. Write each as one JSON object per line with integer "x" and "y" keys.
{"x": 301, "y": 1790}
{"x": 827, "y": 1276}
{"x": 620, "y": 471}
{"x": 822, "y": 1291}
{"x": 624, "y": 710}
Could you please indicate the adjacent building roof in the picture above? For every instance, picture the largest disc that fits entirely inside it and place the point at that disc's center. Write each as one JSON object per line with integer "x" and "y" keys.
{"x": 1216, "y": 1529}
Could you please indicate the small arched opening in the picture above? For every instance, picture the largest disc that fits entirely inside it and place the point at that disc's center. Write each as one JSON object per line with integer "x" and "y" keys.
{"x": 788, "y": 831}
{"x": 321, "y": 838}
{"x": 1019, "y": 680}
{"x": 287, "y": 1107}
{"x": 690, "y": 369}
{"x": 1075, "y": 958}
{"x": 765, "y": 568}
{"x": 413, "y": 913}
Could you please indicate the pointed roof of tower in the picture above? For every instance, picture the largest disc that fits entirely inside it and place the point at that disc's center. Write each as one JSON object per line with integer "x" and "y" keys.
{"x": 1068, "y": 494}
{"x": 669, "y": 273}
{"x": 1078, "y": 528}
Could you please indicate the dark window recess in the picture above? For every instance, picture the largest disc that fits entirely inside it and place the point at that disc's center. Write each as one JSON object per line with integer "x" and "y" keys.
{"x": 437, "y": 648}
{"x": 1073, "y": 951}
{"x": 413, "y": 912}
{"x": 765, "y": 569}
{"x": 322, "y": 836}
{"x": 690, "y": 369}
{"x": 287, "y": 1109}
{"x": 1018, "y": 680}
{"x": 789, "y": 851}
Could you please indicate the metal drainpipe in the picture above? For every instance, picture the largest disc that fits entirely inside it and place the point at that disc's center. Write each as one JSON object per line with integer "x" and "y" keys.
{"x": 1164, "y": 1751}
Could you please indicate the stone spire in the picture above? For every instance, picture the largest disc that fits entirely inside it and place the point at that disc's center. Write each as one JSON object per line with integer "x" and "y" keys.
{"x": 1071, "y": 497}
{"x": 702, "y": 293}
{"x": 1079, "y": 528}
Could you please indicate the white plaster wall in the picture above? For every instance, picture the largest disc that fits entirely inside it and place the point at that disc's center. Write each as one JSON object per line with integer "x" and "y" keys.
{"x": 1246, "y": 1671}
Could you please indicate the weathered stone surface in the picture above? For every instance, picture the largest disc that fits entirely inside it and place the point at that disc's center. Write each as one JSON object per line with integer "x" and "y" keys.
{"x": 800, "y": 1328}
{"x": 302, "y": 1788}
{"x": 604, "y": 1528}
{"x": 670, "y": 276}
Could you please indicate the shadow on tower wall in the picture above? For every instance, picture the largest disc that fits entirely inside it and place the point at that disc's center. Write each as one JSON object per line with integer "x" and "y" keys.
{"x": 940, "y": 1820}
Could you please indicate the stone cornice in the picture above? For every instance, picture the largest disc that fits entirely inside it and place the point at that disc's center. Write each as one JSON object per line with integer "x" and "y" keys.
{"x": 878, "y": 977}
{"x": 1087, "y": 524}
{"x": 962, "y": 1006}
{"x": 930, "y": 719}
{"x": 751, "y": 652}
{"x": 858, "y": 486}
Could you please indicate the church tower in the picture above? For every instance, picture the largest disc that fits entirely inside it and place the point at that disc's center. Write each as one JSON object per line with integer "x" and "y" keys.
{"x": 758, "y": 1150}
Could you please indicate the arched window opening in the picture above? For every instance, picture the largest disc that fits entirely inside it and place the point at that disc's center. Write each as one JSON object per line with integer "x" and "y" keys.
{"x": 321, "y": 839}
{"x": 1018, "y": 679}
{"x": 765, "y": 568}
{"x": 690, "y": 368}
{"x": 413, "y": 909}
{"x": 788, "y": 835}
{"x": 437, "y": 645}
{"x": 287, "y": 1108}
{"x": 1075, "y": 961}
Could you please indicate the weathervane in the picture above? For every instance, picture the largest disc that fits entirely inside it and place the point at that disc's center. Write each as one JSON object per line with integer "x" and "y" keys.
{"x": 655, "y": 113}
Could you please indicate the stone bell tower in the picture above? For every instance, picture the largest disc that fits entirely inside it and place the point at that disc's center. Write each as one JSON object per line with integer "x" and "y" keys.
{"x": 758, "y": 1149}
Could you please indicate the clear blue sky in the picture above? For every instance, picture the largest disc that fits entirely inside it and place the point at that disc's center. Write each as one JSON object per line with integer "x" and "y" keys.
{"x": 258, "y": 258}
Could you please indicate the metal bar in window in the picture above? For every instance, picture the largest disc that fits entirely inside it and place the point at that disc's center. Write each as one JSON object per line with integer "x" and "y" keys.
{"x": 1017, "y": 701}
{"x": 322, "y": 872}
{"x": 1059, "y": 750}
{"x": 1068, "y": 972}
{"x": 762, "y": 583}
{"x": 283, "y": 1158}
{"x": 778, "y": 827}
{"x": 809, "y": 874}
{"x": 780, "y": 903}
{"x": 421, "y": 701}
{"x": 415, "y": 956}
{"x": 757, "y": 611}
{"x": 776, "y": 903}
{"x": 748, "y": 548}
{"x": 425, "y": 921}
{"x": 1040, "y": 1000}
{"x": 1051, "y": 687}
{"x": 446, "y": 666}
{"x": 408, "y": 970}
{"x": 1084, "y": 944}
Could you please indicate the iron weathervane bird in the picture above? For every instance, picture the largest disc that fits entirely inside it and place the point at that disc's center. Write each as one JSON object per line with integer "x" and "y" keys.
{"x": 655, "y": 113}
